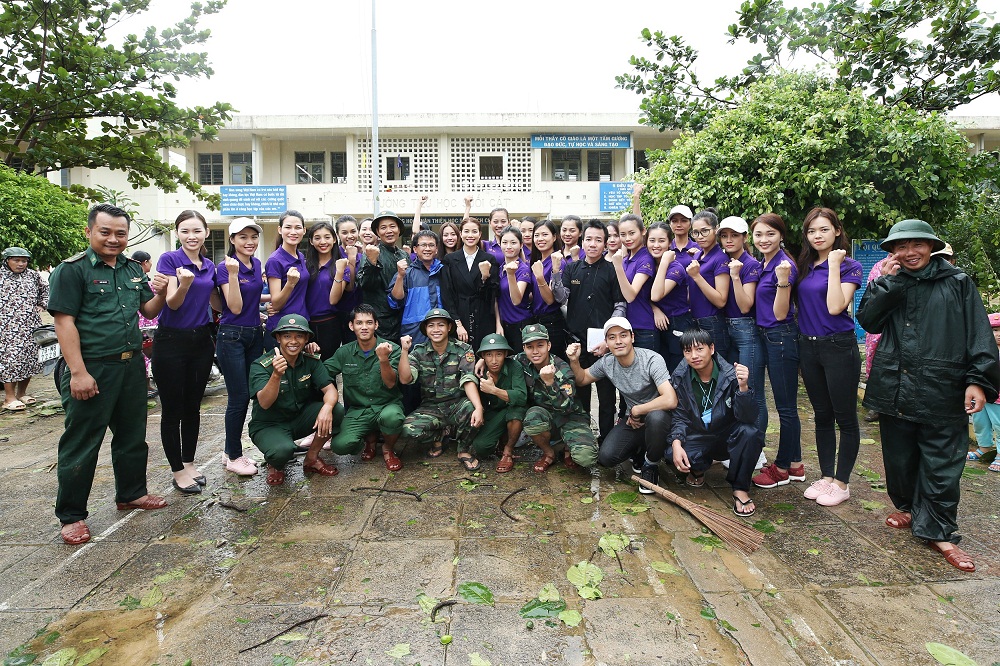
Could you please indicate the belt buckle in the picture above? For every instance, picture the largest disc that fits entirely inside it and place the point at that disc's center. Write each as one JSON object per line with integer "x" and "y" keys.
{"x": 127, "y": 355}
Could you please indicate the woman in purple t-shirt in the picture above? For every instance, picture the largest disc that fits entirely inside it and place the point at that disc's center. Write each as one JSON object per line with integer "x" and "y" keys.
{"x": 828, "y": 350}
{"x": 669, "y": 293}
{"x": 544, "y": 308}
{"x": 287, "y": 273}
{"x": 570, "y": 232}
{"x": 635, "y": 269}
{"x": 326, "y": 286}
{"x": 709, "y": 275}
{"x": 183, "y": 347}
{"x": 513, "y": 299}
{"x": 779, "y": 337}
{"x": 350, "y": 247}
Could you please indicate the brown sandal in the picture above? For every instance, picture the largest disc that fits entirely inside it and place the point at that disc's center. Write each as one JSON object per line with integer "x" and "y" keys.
{"x": 319, "y": 467}
{"x": 544, "y": 464}
{"x": 146, "y": 503}
{"x": 506, "y": 463}
{"x": 955, "y": 556}
{"x": 75, "y": 533}
{"x": 902, "y": 518}
{"x": 392, "y": 461}
{"x": 369, "y": 451}
{"x": 568, "y": 459}
{"x": 275, "y": 476}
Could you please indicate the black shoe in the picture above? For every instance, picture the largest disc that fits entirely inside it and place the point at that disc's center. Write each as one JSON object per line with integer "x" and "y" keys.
{"x": 638, "y": 460}
{"x": 650, "y": 473}
{"x": 201, "y": 480}
{"x": 193, "y": 489}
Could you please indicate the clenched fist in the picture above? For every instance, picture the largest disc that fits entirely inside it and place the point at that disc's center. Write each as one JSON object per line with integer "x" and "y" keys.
{"x": 383, "y": 351}
{"x": 293, "y": 276}
{"x": 371, "y": 252}
{"x": 405, "y": 343}
{"x": 548, "y": 374}
{"x": 694, "y": 268}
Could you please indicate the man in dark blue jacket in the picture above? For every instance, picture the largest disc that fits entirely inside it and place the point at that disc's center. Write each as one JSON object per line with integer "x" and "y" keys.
{"x": 714, "y": 419}
{"x": 416, "y": 287}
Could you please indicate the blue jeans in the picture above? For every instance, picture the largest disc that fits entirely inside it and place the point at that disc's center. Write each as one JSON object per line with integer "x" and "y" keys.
{"x": 646, "y": 338}
{"x": 670, "y": 340}
{"x": 236, "y": 347}
{"x": 716, "y": 326}
{"x": 781, "y": 356}
{"x": 745, "y": 349}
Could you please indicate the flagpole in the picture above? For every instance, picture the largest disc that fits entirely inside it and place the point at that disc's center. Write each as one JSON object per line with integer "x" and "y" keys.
{"x": 376, "y": 185}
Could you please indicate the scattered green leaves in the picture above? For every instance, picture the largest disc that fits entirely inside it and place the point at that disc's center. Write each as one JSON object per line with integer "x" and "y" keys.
{"x": 708, "y": 542}
{"x": 548, "y": 593}
{"x": 467, "y": 485}
{"x": 64, "y": 657}
{"x": 870, "y": 583}
{"x": 292, "y": 636}
{"x": 765, "y": 526}
{"x": 476, "y": 593}
{"x": 869, "y": 505}
{"x": 152, "y": 597}
{"x": 945, "y": 654}
{"x": 586, "y": 577}
{"x": 613, "y": 543}
{"x": 399, "y": 651}
{"x": 536, "y": 609}
{"x": 129, "y": 602}
{"x": 708, "y": 613}
{"x": 665, "y": 567}
{"x": 170, "y": 576}
{"x": 570, "y": 618}
{"x": 627, "y": 503}
{"x": 476, "y": 660}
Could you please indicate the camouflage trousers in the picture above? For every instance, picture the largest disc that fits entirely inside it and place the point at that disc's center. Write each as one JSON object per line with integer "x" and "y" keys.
{"x": 427, "y": 423}
{"x": 573, "y": 429}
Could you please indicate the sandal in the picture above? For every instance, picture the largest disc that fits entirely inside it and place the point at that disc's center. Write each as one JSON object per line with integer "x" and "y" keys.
{"x": 319, "y": 467}
{"x": 696, "y": 481}
{"x": 544, "y": 463}
{"x": 437, "y": 448}
{"x": 903, "y": 520}
{"x": 369, "y": 451}
{"x": 995, "y": 465}
{"x": 469, "y": 461}
{"x": 275, "y": 476}
{"x": 392, "y": 461}
{"x": 742, "y": 504}
{"x": 75, "y": 533}
{"x": 955, "y": 556}
{"x": 568, "y": 459}
{"x": 146, "y": 503}
{"x": 28, "y": 400}
{"x": 15, "y": 406}
{"x": 979, "y": 453}
{"x": 506, "y": 463}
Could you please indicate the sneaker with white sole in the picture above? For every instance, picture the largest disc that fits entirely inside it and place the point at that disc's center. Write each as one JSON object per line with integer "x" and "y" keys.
{"x": 833, "y": 495}
{"x": 771, "y": 476}
{"x": 650, "y": 472}
{"x": 242, "y": 466}
{"x": 815, "y": 489}
{"x": 761, "y": 461}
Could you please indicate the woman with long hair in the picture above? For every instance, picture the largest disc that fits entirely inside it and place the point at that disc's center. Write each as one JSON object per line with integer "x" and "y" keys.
{"x": 286, "y": 269}
{"x": 709, "y": 274}
{"x": 350, "y": 247}
{"x": 527, "y": 227}
{"x": 240, "y": 340}
{"x": 469, "y": 286}
{"x": 366, "y": 233}
{"x": 680, "y": 219}
{"x": 828, "y": 350}
{"x": 669, "y": 294}
{"x": 779, "y": 336}
{"x": 545, "y": 310}
{"x": 513, "y": 298}
{"x": 451, "y": 239}
{"x": 183, "y": 347}
{"x": 570, "y": 231}
{"x": 614, "y": 240}
{"x": 325, "y": 287}
{"x": 635, "y": 269}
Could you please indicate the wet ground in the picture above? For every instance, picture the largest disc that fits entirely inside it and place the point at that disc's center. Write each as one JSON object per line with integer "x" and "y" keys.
{"x": 341, "y": 571}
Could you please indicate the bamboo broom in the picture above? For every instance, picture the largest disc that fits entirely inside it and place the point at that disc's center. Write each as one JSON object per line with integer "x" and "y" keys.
{"x": 733, "y": 531}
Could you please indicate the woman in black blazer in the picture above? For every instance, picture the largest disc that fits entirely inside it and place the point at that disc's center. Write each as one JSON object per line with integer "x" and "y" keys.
{"x": 470, "y": 282}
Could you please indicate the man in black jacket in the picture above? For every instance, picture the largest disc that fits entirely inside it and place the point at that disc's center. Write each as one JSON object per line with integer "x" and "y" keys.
{"x": 377, "y": 269}
{"x": 714, "y": 419}
{"x": 589, "y": 290}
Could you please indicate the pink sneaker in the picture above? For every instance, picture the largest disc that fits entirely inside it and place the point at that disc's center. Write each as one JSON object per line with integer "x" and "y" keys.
{"x": 833, "y": 495}
{"x": 242, "y": 466}
{"x": 797, "y": 472}
{"x": 770, "y": 476}
{"x": 816, "y": 489}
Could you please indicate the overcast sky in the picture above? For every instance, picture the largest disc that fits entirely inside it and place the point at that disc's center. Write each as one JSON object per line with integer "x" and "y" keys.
{"x": 314, "y": 56}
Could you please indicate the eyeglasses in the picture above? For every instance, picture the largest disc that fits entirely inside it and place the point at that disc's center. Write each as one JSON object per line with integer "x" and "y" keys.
{"x": 427, "y": 246}
{"x": 700, "y": 233}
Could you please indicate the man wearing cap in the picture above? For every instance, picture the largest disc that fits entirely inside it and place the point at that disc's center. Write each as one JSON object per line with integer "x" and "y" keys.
{"x": 554, "y": 411}
{"x": 293, "y": 396}
{"x": 95, "y": 299}
{"x": 369, "y": 366}
{"x": 935, "y": 364}
{"x": 379, "y": 266}
{"x": 642, "y": 377}
{"x": 590, "y": 291}
{"x": 449, "y": 397}
{"x": 505, "y": 396}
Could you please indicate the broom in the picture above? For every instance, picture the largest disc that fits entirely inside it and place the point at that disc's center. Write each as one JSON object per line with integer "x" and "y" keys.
{"x": 733, "y": 531}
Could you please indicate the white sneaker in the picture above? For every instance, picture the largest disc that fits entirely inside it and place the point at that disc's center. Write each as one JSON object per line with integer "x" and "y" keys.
{"x": 761, "y": 461}
{"x": 242, "y": 466}
{"x": 816, "y": 489}
{"x": 725, "y": 463}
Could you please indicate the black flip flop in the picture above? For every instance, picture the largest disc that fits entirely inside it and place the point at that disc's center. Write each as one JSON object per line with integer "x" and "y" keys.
{"x": 738, "y": 503}
{"x": 470, "y": 463}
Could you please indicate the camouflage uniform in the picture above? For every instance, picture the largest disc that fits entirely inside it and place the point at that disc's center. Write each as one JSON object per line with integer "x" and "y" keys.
{"x": 555, "y": 409}
{"x": 442, "y": 389}
{"x": 497, "y": 414}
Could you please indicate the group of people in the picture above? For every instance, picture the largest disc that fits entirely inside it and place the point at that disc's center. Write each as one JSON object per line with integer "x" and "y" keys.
{"x": 482, "y": 343}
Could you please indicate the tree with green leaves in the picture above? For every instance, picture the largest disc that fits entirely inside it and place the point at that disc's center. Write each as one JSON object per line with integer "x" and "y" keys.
{"x": 870, "y": 45}
{"x": 802, "y": 140}
{"x": 41, "y": 217}
{"x": 71, "y": 98}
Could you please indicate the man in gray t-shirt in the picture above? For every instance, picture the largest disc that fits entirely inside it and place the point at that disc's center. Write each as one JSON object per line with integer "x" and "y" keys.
{"x": 643, "y": 379}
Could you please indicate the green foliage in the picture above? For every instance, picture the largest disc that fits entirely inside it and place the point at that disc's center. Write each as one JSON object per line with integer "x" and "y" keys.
{"x": 801, "y": 140}
{"x": 40, "y": 217}
{"x": 975, "y": 238}
{"x": 70, "y": 98}
{"x": 872, "y": 47}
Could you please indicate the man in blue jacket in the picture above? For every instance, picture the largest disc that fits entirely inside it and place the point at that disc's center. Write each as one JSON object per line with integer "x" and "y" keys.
{"x": 714, "y": 419}
{"x": 416, "y": 287}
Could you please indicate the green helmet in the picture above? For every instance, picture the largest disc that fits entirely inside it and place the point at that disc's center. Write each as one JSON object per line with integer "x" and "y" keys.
{"x": 293, "y": 323}
{"x": 911, "y": 230}
{"x": 15, "y": 252}
{"x": 494, "y": 343}
{"x": 533, "y": 332}
{"x": 436, "y": 313}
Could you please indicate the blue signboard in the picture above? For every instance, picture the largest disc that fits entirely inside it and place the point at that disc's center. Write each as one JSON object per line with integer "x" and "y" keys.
{"x": 254, "y": 199}
{"x": 571, "y": 141}
{"x": 616, "y": 196}
{"x": 868, "y": 253}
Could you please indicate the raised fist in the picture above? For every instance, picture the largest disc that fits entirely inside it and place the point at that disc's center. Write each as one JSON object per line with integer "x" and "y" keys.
{"x": 401, "y": 266}
{"x": 184, "y": 276}
{"x": 573, "y": 351}
{"x": 383, "y": 351}
{"x": 668, "y": 257}
{"x": 511, "y": 266}
{"x": 693, "y": 268}
{"x": 782, "y": 271}
{"x": 293, "y": 276}
{"x": 405, "y": 343}
{"x": 836, "y": 257}
{"x": 557, "y": 258}
{"x": 735, "y": 265}
{"x": 484, "y": 268}
{"x": 538, "y": 270}
{"x": 157, "y": 282}
{"x": 232, "y": 264}
{"x": 371, "y": 251}
{"x": 618, "y": 256}
{"x": 548, "y": 374}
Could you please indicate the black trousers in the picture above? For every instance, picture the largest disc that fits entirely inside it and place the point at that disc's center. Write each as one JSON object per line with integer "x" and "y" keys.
{"x": 923, "y": 467}
{"x": 327, "y": 334}
{"x": 607, "y": 398}
{"x": 741, "y": 443}
{"x": 623, "y": 442}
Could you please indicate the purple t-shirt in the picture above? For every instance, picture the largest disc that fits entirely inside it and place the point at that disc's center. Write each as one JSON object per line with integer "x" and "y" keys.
{"x": 683, "y": 256}
{"x": 350, "y": 299}
{"x": 251, "y": 285}
{"x": 318, "y": 294}
{"x": 676, "y": 302}
{"x": 277, "y": 267}
{"x": 814, "y": 317}
{"x": 713, "y": 264}
{"x": 538, "y": 305}
{"x": 640, "y": 311}
{"x": 195, "y": 310}
{"x": 767, "y": 289}
{"x": 493, "y": 247}
{"x": 508, "y": 311}
{"x": 749, "y": 274}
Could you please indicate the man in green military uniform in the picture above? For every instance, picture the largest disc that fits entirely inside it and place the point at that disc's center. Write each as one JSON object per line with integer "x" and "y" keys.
{"x": 95, "y": 299}
{"x": 378, "y": 267}
{"x": 371, "y": 388}
{"x": 292, "y": 397}
{"x": 445, "y": 369}
{"x": 505, "y": 396}
{"x": 554, "y": 410}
